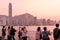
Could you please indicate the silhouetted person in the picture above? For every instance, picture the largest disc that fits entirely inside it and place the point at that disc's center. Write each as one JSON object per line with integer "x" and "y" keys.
{"x": 12, "y": 33}
{"x": 58, "y": 36}
{"x": 45, "y": 34}
{"x": 8, "y": 35}
{"x": 24, "y": 33}
{"x": 38, "y": 32}
{"x": 20, "y": 34}
{"x": 3, "y": 32}
{"x": 55, "y": 32}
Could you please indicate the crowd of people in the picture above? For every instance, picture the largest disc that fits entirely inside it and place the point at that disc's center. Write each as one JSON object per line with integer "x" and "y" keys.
{"x": 44, "y": 35}
{"x": 22, "y": 33}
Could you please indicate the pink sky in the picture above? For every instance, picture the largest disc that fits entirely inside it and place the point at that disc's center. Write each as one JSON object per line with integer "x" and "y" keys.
{"x": 39, "y": 8}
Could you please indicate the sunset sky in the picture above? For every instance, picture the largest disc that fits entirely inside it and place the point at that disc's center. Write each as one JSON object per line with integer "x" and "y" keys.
{"x": 39, "y": 8}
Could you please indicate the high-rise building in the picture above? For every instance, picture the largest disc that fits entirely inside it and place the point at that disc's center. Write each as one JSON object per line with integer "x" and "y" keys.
{"x": 10, "y": 14}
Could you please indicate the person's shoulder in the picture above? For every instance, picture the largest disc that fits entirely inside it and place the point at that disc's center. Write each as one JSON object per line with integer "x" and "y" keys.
{"x": 2, "y": 28}
{"x": 37, "y": 32}
{"x": 59, "y": 30}
{"x": 54, "y": 29}
{"x": 46, "y": 32}
{"x": 13, "y": 29}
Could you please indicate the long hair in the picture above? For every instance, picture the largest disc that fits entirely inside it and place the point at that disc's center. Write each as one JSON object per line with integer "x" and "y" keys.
{"x": 38, "y": 29}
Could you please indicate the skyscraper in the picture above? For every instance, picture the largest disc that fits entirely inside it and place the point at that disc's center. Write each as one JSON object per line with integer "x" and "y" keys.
{"x": 10, "y": 14}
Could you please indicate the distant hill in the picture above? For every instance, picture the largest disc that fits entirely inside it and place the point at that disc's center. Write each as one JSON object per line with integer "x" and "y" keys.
{"x": 24, "y": 19}
{"x": 23, "y": 15}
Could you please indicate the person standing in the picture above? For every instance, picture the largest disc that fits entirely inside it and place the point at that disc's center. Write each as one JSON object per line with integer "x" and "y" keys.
{"x": 58, "y": 36}
{"x": 19, "y": 34}
{"x": 45, "y": 34}
{"x": 38, "y": 33}
{"x": 12, "y": 33}
{"x": 8, "y": 35}
{"x": 3, "y": 32}
{"x": 55, "y": 32}
{"x": 24, "y": 33}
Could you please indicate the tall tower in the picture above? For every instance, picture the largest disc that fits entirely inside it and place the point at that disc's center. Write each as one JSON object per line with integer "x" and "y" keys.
{"x": 10, "y": 14}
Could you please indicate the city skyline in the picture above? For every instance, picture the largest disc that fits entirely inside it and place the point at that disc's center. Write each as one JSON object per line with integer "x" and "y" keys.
{"x": 39, "y": 8}
{"x": 26, "y": 19}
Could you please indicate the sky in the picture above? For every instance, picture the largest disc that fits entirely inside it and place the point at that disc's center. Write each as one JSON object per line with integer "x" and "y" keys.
{"x": 49, "y": 9}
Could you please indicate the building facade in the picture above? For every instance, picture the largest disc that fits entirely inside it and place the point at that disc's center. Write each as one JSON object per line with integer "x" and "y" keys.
{"x": 2, "y": 21}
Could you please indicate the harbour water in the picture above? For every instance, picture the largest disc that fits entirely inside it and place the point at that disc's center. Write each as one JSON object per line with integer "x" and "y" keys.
{"x": 31, "y": 31}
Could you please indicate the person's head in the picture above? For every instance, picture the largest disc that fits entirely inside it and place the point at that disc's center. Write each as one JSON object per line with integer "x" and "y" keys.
{"x": 9, "y": 27}
{"x": 57, "y": 25}
{"x": 23, "y": 29}
{"x": 38, "y": 29}
{"x": 3, "y": 26}
{"x": 45, "y": 28}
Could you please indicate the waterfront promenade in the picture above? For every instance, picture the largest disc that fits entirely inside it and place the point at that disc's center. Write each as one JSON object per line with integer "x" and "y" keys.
{"x": 31, "y": 31}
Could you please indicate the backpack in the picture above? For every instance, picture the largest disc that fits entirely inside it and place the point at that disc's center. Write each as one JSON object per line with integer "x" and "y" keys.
{"x": 55, "y": 33}
{"x": 45, "y": 35}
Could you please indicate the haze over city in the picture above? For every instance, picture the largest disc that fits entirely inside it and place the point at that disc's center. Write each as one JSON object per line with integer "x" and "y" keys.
{"x": 39, "y": 8}
{"x": 29, "y": 19}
